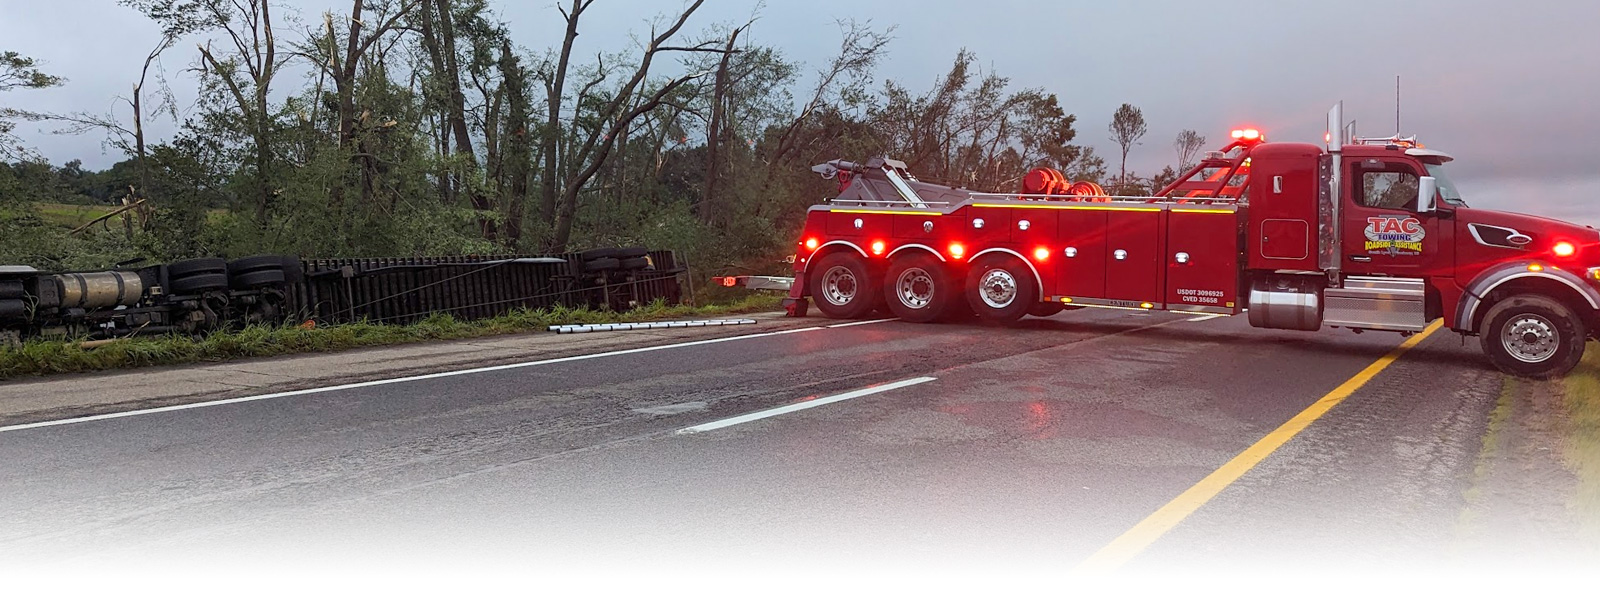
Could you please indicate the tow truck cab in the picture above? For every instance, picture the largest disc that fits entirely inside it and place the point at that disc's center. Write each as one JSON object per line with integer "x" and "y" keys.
{"x": 1366, "y": 234}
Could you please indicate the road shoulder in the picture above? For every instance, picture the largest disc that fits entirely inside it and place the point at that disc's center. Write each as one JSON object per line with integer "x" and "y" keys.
{"x": 54, "y": 398}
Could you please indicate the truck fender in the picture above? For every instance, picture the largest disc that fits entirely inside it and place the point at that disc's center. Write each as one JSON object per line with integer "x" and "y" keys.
{"x": 1472, "y": 297}
{"x": 825, "y": 245}
{"x": 1025, "y": 261}
{"x": 917, "y": 246}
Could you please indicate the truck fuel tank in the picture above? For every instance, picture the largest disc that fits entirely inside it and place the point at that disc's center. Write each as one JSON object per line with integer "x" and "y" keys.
{"x": 1285, "y": 303}
{"x": 98, "y": 290}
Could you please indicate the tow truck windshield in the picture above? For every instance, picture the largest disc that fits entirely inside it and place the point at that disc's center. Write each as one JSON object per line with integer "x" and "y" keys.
{"x": 1447, "y": 187}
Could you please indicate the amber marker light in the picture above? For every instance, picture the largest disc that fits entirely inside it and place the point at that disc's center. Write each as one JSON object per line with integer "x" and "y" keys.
{"x": 1536, "y": 268}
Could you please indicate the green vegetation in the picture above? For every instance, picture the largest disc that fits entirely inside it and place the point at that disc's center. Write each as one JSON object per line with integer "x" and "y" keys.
{"x": 47, "y": 357}
{"x": 1583, "y": 442}
{"x": 422, "y": 128}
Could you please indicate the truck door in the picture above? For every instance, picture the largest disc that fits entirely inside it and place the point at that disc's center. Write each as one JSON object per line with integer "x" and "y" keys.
{"x": 1383, "y": 233}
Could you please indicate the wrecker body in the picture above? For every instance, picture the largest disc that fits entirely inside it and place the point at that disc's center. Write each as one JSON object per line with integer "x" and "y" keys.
{"x": 1365, "y": 234}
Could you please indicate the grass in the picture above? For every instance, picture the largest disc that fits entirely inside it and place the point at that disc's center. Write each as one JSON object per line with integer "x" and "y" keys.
{"x": 50, "y": 357}
{"x": 1583, "y": 443}
{"x": 70, "y": 216}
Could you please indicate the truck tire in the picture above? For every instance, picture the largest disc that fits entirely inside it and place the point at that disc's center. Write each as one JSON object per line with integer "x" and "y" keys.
{"x": 11, "y": 289}
{"x": 1001, "y": 289}
{"x": 843, "y": 287}
{"x": 1533, "y": 336}
{"x": 258, "y": 279}
{"x": 633, "y": 263}
{"x": 199, "y": 283}
{"x": 252, "y": 264}
{"x": 630, "y": 252}
{"x": 601, "y": 265}
{"x": 293, "y": 271}
{"x": 917, "y": 288}
{"x": 593, "y": 254}
{"x": 191, "y": 267}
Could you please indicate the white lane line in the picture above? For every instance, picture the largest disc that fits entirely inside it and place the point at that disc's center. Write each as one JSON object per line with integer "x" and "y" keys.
{"x": 391, "y": 381}
{"x": 804, "y": 405}
{"x": 1204, "y": 318}
{"x": 849, "y": 324}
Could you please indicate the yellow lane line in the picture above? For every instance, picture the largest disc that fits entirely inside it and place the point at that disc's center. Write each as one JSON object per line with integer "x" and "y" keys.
{"x": 1125, "y": 547}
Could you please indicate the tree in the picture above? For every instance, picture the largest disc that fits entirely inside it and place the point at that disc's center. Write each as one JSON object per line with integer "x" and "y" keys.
{"x": 1127, "y": 127}
{"x": 860, "y": 49}
{"x": 17, "y": 71}
{"x": 1188, "y": 145}
{"x": 1161, "y": 180}
{"x": 599, "y": 116}
{"x": 247, "y": 24}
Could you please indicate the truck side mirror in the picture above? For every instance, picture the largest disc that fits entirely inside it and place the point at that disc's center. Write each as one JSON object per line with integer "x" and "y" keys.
{"x": 1427, "y": 193}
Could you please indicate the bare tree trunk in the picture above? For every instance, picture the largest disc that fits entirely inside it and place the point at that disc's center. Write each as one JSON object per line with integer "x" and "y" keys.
{"x": 555, "y": 87}
{"x": 458, "y": 119}
{"x": 709, "y": 209}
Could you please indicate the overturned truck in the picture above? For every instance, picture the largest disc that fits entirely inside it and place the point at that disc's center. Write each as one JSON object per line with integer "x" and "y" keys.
{"x": 200, "y": 295}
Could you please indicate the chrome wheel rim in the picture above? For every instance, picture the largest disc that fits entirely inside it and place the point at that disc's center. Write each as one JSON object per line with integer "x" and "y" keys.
{"x": 1530, "y": 338}
{"x": 915, "y": 287}
{"x": 997, "y": 288}
{"x": 839, "y": 285}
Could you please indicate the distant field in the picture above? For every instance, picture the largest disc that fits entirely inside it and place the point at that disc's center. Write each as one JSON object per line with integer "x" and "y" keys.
{"x": 72, "y": 216}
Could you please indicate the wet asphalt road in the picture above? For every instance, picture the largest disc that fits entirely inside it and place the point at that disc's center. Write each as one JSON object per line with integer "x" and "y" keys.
{"x": 1033, "y": 448}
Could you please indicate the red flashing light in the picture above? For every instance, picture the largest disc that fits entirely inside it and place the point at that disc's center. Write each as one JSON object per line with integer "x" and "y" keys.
{"x": 1565, "y": 249}
{"x": 957, "y": 251}
{"x": 730, "y": 281}
{"x": 1041, "y": 253}
{"x": 1251, "y": 135}
{"x": 877, "y": 247}
{"x": 811, "y": 244}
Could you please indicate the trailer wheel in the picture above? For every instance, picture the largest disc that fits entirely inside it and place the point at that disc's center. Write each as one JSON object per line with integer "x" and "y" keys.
{"x": 918, "y": 289}
{"x": 628, "y": 252}
{"x": 843, "y": 287}
{"x": 593, "y": 254}
{"x": 1533, "y": 336}
{"x": 1001, "y": 289}
{"x": 601, "y": 265}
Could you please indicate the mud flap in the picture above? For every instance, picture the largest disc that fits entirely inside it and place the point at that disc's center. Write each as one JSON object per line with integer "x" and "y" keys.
{"x": 796, "y": 304}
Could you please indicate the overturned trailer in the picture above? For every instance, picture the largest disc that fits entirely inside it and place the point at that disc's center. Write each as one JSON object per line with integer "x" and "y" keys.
{"x": 199, "y": 295}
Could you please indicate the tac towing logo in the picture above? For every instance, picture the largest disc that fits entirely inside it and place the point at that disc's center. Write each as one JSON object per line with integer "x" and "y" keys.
{"x": 1395, "y": 235}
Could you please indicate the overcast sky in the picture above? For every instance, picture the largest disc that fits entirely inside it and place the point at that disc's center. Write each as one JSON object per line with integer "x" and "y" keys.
{"x": 1509, "y": 87}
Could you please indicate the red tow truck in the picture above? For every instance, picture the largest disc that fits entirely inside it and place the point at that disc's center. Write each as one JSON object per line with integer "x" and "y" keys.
{"x": 1358, "y": 233}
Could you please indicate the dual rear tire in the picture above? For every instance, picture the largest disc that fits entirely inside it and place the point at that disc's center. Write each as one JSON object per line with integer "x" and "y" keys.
{"x": 918, "y": 287}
